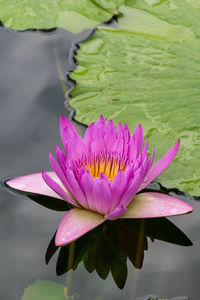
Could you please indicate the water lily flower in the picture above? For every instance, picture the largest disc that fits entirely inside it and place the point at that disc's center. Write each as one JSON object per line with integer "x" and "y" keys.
{"x": 100, "y": 175}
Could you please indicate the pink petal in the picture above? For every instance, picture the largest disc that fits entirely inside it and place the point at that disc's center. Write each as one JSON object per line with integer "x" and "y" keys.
{"x": 88, "y": 137}
{"x": 75, "y": 188}
{"x": 109, "y": 137}
{"x": 160, "y": 165}
{"x": 151, "y": 205}
{"x": 102, "y": 196}
{"x": 126, "y": 133}
{"x": 76, "y": 223}
{"x": 144, "y": 150}
{"x": 118, "y": 212}
{"x": 151, "y": 160}
{"x": 59, "y": 172}
{"x": 74, "y": 145}
{"x": 118, "y": 146}
{"x": 70, "y": 137}
{"x": 34, "y": 183}
{"x": 144, "y": 167}
{"x": 60, "y": 190}
{"x": 97, "y": 144}
{"x": 131, "y": 190}
{"x": 65, "y": 123}
{"x": 101, "y": 122}
{"x": 110, "y": 126}
{"x": 87, "y": 183}
{"x": 61, "y": 158}
{"x": 117, "y": 187}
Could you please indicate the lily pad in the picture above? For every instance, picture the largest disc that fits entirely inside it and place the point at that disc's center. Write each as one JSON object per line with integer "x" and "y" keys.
{"x": 147, "y": 71}
{"x": 74, "y": 15}
{"x": 45, "y": 290}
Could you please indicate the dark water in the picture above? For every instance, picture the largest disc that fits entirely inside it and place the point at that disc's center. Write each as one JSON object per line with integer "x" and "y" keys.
{"x": 32, "y": 99}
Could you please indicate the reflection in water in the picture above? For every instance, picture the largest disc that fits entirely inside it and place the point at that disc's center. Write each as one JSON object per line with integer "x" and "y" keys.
{"x": 107, "y": 247}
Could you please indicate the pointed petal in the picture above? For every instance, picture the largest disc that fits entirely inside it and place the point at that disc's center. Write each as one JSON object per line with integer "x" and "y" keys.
{"x": 97, "y": 145}
{"x": 117, "y": 187}
{"x": 118, "y": 212}
{"x": 160, "y": 165}
{"x": 57, "y": 169}
{"x": 70, "y": 137}
{"x": 144, "y": 150}
{"x": 131, "y": 190}
{"x": 118, "y": 146}
{"x": 151, "y": 205}
{"x": 88, "y": 138}
{"x": 60, "y": 190}
{"x": 102, "y": 196}
{"x": 75, "y": 188}
{"x": 87, "y": 183}
{"x": 76, "y": 223}
{"x": 109, "y": 137}
{"x": 110, "y": 126}
{"x": 65, "y": 123}
{"x": 61, "y": 158}
{"x": 151, "y": 160}
{"x": 132, "y": 153}
{"x": 101, "y": 122}
{"x": 35, "y": 184}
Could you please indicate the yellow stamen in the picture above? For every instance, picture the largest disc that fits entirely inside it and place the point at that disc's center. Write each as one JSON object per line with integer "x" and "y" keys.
{"x": 110, "y": 167}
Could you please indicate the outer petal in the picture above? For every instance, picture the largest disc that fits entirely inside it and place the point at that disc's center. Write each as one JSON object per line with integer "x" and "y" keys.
{"x": 97, "y": 145}
{"x": 87, "y": 183}
{"x": 101, "y": 122}
{"x": 74, "y": 145}
{"x": 60, "y": 190}
{"x": 117, "y": 187}
{"x": 110, "y": 136}
{"x": 61, "y": 175}
{"x": 61, "y": 158}
{"x": 34, "y": 183}
{"x": 151, "y": 205}
{"x": 118, "y": 212}
{"x": 102, "y": 196}
{"x": 70, "y": 137}
{"x": 118, "y": 146}
{"x": 76, "y": 223}
{"x": 65, "y": 123}
{"x": 151, "y": 160}
{"x": 160, "y": 165}
{"x": 88, "y": 138}
{"x": 144, "y": 150}
{"x": 77, "y": 192}
{"x": 131, "y": 190}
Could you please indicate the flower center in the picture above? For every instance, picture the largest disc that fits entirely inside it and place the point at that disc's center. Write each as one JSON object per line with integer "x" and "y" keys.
{"x": 109, "y": 166}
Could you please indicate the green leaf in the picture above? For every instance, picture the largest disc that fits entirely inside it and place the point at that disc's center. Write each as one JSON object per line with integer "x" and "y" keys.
{"x": 147, "y": 71}
{"x": 45, "y": 290}
{"x": 74, "y": 15}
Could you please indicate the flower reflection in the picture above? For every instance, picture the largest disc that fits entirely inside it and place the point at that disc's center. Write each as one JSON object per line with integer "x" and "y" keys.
{"x": 107, "y": 247}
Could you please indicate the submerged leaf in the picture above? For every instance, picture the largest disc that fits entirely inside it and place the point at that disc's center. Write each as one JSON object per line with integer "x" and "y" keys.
{"x": 146, "y": 71}
{"x": 45, "y": 290}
